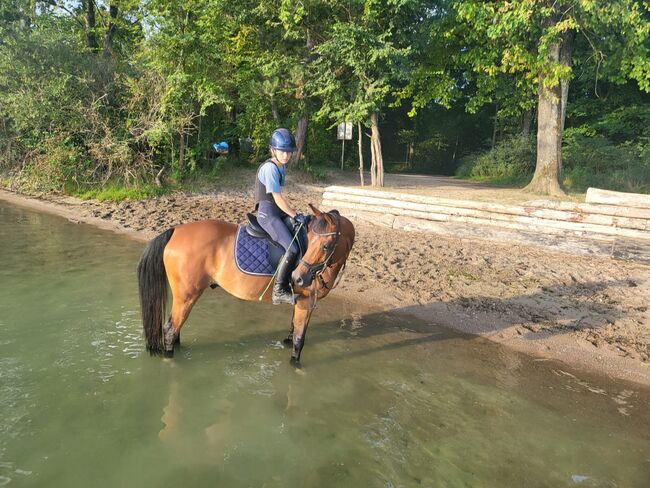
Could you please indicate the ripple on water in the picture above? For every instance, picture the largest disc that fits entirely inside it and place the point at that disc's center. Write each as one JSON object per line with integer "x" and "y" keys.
{"x": 124, "y": 336}
{"x": 386, "y": 435}
{"x": 252, "y": 374}
{"x": 622, "y": 399}
{"x": 7, "y": 468}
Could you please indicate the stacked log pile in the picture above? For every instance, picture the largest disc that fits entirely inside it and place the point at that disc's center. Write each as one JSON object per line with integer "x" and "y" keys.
{"x": 612, "y": 223}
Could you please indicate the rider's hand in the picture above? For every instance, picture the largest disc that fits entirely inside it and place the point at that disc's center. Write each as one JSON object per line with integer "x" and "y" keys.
{"x": 300, "y": 219}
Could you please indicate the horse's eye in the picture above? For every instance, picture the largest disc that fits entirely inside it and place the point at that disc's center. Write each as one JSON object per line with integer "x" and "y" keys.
{"x": 327, "y": 247}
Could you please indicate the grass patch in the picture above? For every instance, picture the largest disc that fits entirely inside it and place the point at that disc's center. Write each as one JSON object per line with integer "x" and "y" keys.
{"x": 116, "y": 193}
{"x": 515, "y": 181}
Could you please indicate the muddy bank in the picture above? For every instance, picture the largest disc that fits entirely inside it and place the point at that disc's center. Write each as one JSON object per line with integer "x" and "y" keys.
{"x": 589, "y": 312}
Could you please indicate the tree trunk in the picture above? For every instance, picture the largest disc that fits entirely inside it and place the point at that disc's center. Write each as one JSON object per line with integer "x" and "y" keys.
{"x": 301, "y": 138}
{"x": 91, "y": 37}
{"x": 566, "y": 56}
{"x": 455, "y": 151}
{"x": 377, "y": 157}
{"x": 181, "y": 153}
{"x": 549, "y": 135}
{"x": 566, "y": 53}
{"x": 303, "y": 122}
{"x": 495, "y": 126}
{"x": 360, "y": 141}
{"x": 373, "y": 164}
{"x": 110, "y": 33}
{"x": 526, "y": 122}
{"x": 274, "y": 111}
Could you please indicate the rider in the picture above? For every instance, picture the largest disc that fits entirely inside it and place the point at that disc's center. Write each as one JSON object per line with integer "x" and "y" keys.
{"x": 272, "y": 207}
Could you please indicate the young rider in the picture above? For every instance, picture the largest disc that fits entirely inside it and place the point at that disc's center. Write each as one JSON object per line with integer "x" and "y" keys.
{"x": 272, "y": 207}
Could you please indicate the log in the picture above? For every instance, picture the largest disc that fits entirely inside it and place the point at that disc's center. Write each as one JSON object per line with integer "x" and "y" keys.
{"x": 552, "y": 216}
{"x": 626, "y": 249}
{"x": 616, "y": 211}
{"x": 470, "y": 216}
{"x": 595, "y": 195}
{"x": 538, "y": 208}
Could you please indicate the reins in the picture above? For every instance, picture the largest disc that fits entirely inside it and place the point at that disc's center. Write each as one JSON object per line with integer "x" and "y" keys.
{"x": 316, "y": 270}
{"x": 284, "y": 256}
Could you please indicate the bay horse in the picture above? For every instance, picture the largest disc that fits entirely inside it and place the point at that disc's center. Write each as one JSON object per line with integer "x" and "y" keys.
{"x": 194, "y": 256}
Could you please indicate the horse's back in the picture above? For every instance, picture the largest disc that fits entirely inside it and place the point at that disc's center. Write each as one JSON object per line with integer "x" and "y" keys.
{"x": 202, "y": 232}
{"x": 195, "y": 247}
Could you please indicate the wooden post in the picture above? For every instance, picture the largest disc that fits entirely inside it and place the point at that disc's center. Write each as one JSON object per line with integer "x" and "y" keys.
{"x": 360, "y": 142}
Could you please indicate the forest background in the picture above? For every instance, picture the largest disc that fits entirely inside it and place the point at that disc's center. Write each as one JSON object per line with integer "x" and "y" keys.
{"x": 127, "y": 98}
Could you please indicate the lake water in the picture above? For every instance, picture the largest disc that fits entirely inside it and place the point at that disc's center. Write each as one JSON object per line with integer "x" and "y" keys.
{"x": 382, "y": 400}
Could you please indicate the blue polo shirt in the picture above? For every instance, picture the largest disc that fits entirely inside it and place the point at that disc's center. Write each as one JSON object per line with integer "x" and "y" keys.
{"x": 271, "y": 176}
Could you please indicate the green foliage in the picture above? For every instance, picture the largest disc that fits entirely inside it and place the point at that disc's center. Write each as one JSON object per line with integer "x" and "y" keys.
{"x": 180, "y": 76}
{"x": 590, "y": 160}
{"x": 56, "y": 165}
{"x": 361, "y": 58}
{"x": 322, "y": 149}
{"x": 594, "y": 160}
{"x": 511, "y": 160}
{"x": 116, "y": 192}
{"x": 317, "y": 173}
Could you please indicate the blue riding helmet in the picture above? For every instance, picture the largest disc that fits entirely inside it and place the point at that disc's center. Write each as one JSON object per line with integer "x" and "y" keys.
{"x": 283, "y": 140}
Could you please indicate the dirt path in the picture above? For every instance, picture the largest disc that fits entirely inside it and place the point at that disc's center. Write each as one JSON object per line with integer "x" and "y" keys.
{"x": 589, "y": 312}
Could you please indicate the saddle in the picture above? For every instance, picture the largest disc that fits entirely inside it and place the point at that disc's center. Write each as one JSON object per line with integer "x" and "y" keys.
{"x": 256, "y": 253}
{"x": 254, "y": 228}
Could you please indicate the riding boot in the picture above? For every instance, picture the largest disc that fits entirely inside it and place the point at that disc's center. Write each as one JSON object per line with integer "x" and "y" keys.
{"x": 282, "y": 292}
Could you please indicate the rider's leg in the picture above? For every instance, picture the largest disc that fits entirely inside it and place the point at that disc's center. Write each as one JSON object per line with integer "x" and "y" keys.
{"x": 270, "y": 218}
{"x": 282, "y": 292}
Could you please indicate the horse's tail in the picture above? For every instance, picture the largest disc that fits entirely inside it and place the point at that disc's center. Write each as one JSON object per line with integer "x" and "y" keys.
{"x": 152, "y": 282}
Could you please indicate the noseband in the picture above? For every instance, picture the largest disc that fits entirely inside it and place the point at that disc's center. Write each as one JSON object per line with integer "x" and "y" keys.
{"x": 315, "y": 270}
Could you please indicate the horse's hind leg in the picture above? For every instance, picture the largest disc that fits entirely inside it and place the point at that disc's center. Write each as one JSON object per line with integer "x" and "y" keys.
{"x": 170, "y": 334}
{"x": 181, "y": 308}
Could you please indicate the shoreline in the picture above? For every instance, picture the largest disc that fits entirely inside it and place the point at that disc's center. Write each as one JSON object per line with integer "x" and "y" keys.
{"x": 457, "y": 299}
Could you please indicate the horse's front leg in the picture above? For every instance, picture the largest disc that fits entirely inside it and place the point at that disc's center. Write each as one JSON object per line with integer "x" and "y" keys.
{"x": 288, "y": 341}
{"x": 301, "y": 315}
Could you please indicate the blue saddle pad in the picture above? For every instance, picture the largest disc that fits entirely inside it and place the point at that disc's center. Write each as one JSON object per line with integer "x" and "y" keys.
{"x": 260, "y": 256}
{"x": 254, "y": 255}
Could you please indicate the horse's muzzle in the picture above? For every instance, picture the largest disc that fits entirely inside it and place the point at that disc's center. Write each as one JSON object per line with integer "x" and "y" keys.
{"x": 303, "y": 280}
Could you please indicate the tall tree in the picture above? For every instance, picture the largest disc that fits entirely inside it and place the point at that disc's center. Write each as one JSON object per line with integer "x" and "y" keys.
{"x": 91, "y": 35}
{"x": 533, "y": 42}
{"x": 357, "y": 65}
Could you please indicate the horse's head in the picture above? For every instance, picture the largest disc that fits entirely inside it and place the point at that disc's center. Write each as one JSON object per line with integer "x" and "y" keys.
{"x": 324, "y": 245}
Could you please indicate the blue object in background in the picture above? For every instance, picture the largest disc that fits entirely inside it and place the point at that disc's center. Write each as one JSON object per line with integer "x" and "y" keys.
{"x": 221, "y": 147}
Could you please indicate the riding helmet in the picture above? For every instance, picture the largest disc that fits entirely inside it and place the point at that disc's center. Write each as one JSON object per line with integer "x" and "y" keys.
{"x": 283, "y": 140}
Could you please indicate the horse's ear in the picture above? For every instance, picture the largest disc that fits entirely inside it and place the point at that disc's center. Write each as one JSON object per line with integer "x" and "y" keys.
{"x": 317, "y": 212}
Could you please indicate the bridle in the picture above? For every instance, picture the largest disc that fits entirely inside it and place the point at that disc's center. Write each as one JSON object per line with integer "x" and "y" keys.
{"x": 316, "y": 270}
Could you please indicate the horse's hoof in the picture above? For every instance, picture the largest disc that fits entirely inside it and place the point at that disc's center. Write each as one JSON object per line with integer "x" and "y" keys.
{"x": 169, "y": 354}
{"x": 296, "y": 363}
{"x": 288, "y": 342}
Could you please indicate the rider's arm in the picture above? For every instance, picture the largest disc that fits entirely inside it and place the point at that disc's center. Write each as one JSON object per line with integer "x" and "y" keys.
{"x": 283, "y": 204}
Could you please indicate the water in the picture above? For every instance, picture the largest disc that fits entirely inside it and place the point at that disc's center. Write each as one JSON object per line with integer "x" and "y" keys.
{"x": 382, "y": 400}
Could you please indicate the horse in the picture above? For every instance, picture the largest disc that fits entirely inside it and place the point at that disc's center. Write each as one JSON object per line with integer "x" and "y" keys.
{"x": 194, "y": 256}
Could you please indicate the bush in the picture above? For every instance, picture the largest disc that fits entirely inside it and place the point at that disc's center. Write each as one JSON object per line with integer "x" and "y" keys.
{"x": 56, "y": 165}
{"x": 594, "y": 160}
{"x": 512, "y": 159}
{"x": 317, "y": 173}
